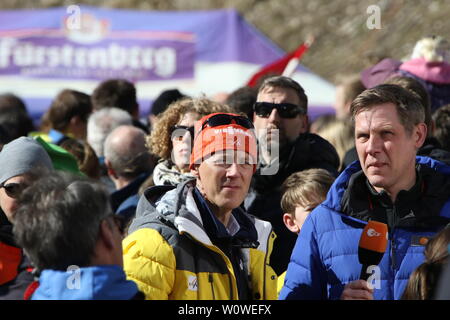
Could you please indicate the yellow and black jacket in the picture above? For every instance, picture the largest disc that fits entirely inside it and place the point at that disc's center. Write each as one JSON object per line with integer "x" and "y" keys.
{"x": 170, "y": 256}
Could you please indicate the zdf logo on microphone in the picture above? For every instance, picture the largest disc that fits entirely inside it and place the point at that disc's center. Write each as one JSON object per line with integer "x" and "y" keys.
{"x": 373, "y": 233}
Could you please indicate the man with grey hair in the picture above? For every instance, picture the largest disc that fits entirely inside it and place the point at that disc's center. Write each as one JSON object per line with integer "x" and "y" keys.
{"x": 129, "y": 164}
{"x": 67, "y": 229}
{"x": 281, "y": 123}
{"x": 100, "y": 124}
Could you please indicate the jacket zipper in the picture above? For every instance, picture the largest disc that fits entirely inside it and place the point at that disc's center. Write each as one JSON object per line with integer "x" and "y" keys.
{"x": 230, "y": 274}
{"x": 265, "y": 267}
{"x": 394, "y": 220}
{"x": 223, "y": 259}
{"x": 210, "y": 279}
{"x": 231, "y": 284}
{"x": 393, "y": 262}
{"x": 393, "y": 254}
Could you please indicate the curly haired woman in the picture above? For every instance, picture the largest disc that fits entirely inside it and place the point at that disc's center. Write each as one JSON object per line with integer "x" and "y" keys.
{"x": 172, "y": 137}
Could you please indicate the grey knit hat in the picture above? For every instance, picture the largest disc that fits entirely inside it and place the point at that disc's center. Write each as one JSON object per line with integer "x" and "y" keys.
{"x": 21, "y": 156}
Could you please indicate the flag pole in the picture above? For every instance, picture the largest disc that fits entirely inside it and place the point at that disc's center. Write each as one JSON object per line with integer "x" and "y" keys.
{"x": 295, "y": 61}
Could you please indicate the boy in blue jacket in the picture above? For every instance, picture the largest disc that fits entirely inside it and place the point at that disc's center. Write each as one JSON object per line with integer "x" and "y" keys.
{"x": 302, "y": 192}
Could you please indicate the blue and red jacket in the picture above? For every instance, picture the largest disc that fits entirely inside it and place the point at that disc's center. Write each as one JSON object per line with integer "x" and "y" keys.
{"x": 15, "y": 268}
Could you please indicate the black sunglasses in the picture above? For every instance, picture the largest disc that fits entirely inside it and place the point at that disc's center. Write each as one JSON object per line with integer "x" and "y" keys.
{"x": 13, "y": 189}
{"x": 285, "y": 110}
{"x": 224, "y": 119}
{"x": 177, "y": 135}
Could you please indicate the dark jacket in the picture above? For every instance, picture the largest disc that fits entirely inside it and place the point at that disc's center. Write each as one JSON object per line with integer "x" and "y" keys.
{"x": 264, "y": 199}
{"x": 432, "y": 148}
{"x": 125, "y": 200}
{"x": 325, "y": 257}
{"x": 442, "y": 289}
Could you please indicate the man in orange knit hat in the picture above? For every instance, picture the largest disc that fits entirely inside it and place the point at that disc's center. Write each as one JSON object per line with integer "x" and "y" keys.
{"x": 194, "y": 241}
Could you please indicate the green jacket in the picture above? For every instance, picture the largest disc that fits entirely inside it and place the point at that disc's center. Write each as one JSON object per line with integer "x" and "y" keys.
{"x": 169, "y": 255}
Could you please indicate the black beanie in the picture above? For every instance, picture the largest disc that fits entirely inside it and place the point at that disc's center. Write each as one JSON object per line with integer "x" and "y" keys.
{"x": 164, "y": 100}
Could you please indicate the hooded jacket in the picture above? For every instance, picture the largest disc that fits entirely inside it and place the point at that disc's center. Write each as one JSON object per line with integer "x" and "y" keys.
{"x": 325, "y": 257}
{"x": 106, "y": 282}
{"x": 169, "y": 254}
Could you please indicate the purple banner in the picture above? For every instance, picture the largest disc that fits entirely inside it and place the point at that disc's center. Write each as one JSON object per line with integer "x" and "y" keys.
{"x": 44, "y": 51}
{"x": 97, "y": 53}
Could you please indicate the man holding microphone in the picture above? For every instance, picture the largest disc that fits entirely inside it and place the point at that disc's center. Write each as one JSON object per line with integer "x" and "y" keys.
{"x": 389, "y": 184}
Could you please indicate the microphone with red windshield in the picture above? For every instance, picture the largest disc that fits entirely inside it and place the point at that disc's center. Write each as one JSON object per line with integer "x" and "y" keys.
{"x": 372, "y": 246}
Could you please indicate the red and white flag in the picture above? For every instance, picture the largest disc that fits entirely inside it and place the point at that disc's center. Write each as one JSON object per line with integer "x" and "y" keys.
{"x": 284, "y": 66}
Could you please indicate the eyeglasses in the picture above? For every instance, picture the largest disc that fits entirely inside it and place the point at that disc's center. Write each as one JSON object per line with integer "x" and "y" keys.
{"x": 285, "y": 110}
{"x": 14, "y": 189}
{"x": 224, "y": 119}
{"x": 177, "y": 136}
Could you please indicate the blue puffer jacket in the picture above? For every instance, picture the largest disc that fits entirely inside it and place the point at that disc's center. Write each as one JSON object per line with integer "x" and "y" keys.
{"x": 325, "y": 257}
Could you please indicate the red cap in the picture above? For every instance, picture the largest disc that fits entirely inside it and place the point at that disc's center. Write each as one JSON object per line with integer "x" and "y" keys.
{"x": 224, "y": 137}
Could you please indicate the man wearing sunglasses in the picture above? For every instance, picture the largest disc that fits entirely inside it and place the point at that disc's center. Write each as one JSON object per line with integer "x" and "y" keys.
{"x": 281, "y": 122}
{"x": 18, "y": 161}
{"x": 194, "y": 241}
